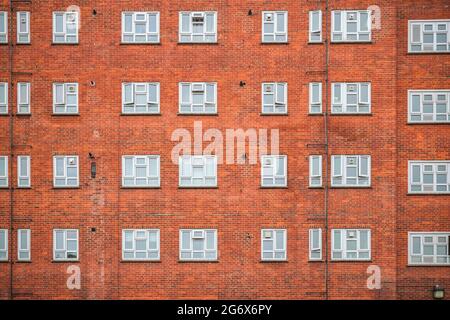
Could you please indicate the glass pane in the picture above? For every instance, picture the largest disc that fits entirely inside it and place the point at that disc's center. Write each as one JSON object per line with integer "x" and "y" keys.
{"x": 428, "y": 250}
{"x": 209, "y": 23}
{"x": 185, "y": 93}
{"x": 416, "y": 245}
{"x": 337, "y": 163}
{"x": 416, "y": 33}
{"x": 185, "y": 22}
{"x": 415, "y": 103}
{"x": 337, "y": 93}
{"x": 416, "y": 174}
{"x": 280, "y": 22}
{"x": 152, "y": 23}
{"x": 141, "y": 244}
{"x": 153, "y": 240}
{"x": 364, "y": 239}
{"x": 364, "y": 21}
{"x": 337, "y": 21}
{"x": 59, "y": 166}
{"x": 2, "y": 240}
{"x": 281, "y": 167}
{"x": 59, "y": 235}
{"x": 128, "y": 240}
{"x": 128, "y": 23}
{"x": 267, "y": 245}
{"x": 210, "y": 240}
{"x": 59, "y": 23}
{"x": 315, "y": 20}
{"x": 23, "y": 166}
{"x": 337, "y": 239}
{"x": 185, "y": 239}
{"x": 2, "y": 166}
{"x": 2, "y": 22}
{"x": 280, "y": 240}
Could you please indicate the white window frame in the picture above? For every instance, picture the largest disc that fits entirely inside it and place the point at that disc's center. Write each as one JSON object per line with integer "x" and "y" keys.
{"x": 135, "y": 21}
{"x": 435, "y": 242}
{"x": 65, "y": 240}
{"x": 343, "y": 102}
{"x": 344, "y": 251}
{"x": 428, "y": 117}
{"x": 195, "y": 87}
{"x": 274, "y": 166}
{"x": 19, "y": 244}
{"x": 146, "y": 237}
{"x": 4, "y": 102}
{"x": 205, "y": 34}
{"x": 312, "y": 171}
{"x": 278, "y": 104}
{"x": 311, "y": 26}
{"x": 312, "y": 102}
{"x": 5, "y": 26}
{"x": 21, "y": 105}
{"x": 274, "y": 245}
{"x": 66, "y": 92}
{"x": 275, "y": 32}
{"x": 435, "y": 25}
{"x": 344, "y": 174}
{"x": 6, "y": 176}
{"x": 135, "y": 89}
{"x": 191, "y": 248}
{"x": 435, "y": 164}
{"x": 21, "y": 177}
{"x": 25, "y": 33}
{"x": 146, "y": 164}
{"x": 198, "y": 159}
{"x": 64, "y": 176}
{"x": 65, "y": 28}
{"x": 343, "y": 27}
{"x": 5, "y": 249}
{"x": 312, "y": 247}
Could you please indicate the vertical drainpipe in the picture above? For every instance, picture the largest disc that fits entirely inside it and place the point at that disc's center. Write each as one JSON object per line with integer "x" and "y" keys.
{"x": 11, "y": 146}
{"x": 327, "y": 155}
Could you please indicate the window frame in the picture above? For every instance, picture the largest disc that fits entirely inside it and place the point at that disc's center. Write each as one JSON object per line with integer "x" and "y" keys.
{"x": 312, "y": 248}
{"x": 343, "y": 171}
{"x": 274, "y": 21}
{"x": 55, "y": 176}
{"x": 191, "y": 245}
{"x": 274, "y": 244}
{"x": 64, "y": 32}
{"x": 20, "y": 175}
{"x": 147, "y": 239}
{"x": 5, "y": 26}
{"x": 125, "y": 102}
{"x": 205, "y": 176}
{"x": 4, "y": 104}
{"x": 19, "y": 242}
{"x": 434, "y": 243}
{"x": 275, "y": 168}
{"x": 276, "y": 100}
{"x": 147, "y": 27}
{"x": 311, "y": 171}
{"x": 147, "y": 165}
{"x": 343, "y": 241}
{"x": 27, "y": 103}
{"x": 27, "y": 33}
{"x": 65, "y": 85}
{"x": 311, "y": 30}
{"x": 191, "y": 33}
{"x": 191, "y": 98}
{"x": 434, "y": 23}
{"x": 6, "y": 249}
{"x": 343, "y": 102}
{"x": 313, "y": 103}
{"x": 434, "y": 93}
{"x": 434, "y": 172}
{"x": 65, "y": 245}
{"x": 6, "y": 176}
{"x": 343, "y": 26}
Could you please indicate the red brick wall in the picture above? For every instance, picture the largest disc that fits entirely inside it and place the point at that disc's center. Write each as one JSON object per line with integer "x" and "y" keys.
{"x": 238, "y": 208}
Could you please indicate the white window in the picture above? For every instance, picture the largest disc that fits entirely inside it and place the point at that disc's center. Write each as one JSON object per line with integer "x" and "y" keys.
{"x": 140, "y": 27}
{"x": 273, "y": 244}
{"x": 315, "y": 26}
{"x": 65, "y": 27}
{"x": 198, "y": 171}
{"x": 3, "y": 244}
{"x": 351, "y": 26}
{"x": 429, "y": 176}
{"x": 23, "y": 98}
{"x": 429, "y": 106}
{"x": 274, "y": 171}
{"x": 315, "y": 97}
{"x": 65, "y": 244}
{"x": 428, "y": 36}
{"x": 350, "y": 97}
{"x": 23, "y": 172}
{"x": 3, "y": 27}
{"x": 315, "y": 244}
{"x": 315, "y": 171}
{"x": 24, "y": 244}
{"x": 3, "y": 98}
{"x": 350, "y": 244}
{"x": 429, "y": 248}
{"x": 23, "y": 27}
{"x": 198, "y": 244}
{"x": 140, "y": 171}
{"x": 65, "y": 171}
{"x": 3, "y": 171}
{"x": 198, "y": 97}
{"x": 140, "y": 244}
{"x": 350, "y": 171}
{"x": 140, "y": 97}
{"x": 274, "y": 26}
{"x": 65, "y": 98}
{"x": 274, "y": 97}
{"x": 198, "y": 27}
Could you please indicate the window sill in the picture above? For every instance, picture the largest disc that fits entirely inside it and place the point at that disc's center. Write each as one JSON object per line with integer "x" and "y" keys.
{"x": 140, "y": 114}
{"x": 352, "y": 261}
{"x": 132, "y": 188}
{"x": 198, "y": 261}
{"x": 23, "y": 261}
{"x": 428, "y": 265}
{"x": 23, "y": 114}
{"x": 274, "y": 42}
{"x": 315, "y": 42}
{"x": 273, "y": 261}
{"x": 197, "y": 114}
{"x": 315, "y": 261}
{"x": 350, "y": 114}
{"x": 65, "y": 261}
{"x": 65, "y": 43}
{"x": 351, "y": 42}
{"x": 315, "y": 114}
{"x": 63, "y": 188}
{"x": 274, "y": 114}
{"x": 428, "y": 123}
{"x": 351, "y": 187}
{"x": 197, "y": 43}
{"x": 428, "y": 52}
{"x": 23, "y": 43}
{"x": 200, "y": 187}
{"x": 65, "y": 114}
{"x": 4, "y": 114}
{"x": 140, "y": 261}
{"x": 273, "y": 187}
{"x": 25, "y": 188}
{"x": 140, "y": 43}
{"x": 318, "y": 187}
{"x": 5, "y": 261}
{"x": 428, "y": 194}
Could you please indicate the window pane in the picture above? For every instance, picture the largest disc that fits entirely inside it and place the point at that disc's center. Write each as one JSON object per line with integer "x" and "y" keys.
{"x": 59, "y": 235}
{"x": 364, "y": 239}
{"x": 280, "y": 240}
{"x": 185, "y": 22}
{"x": 337, "y": 240}
{"x": 281, "y": 167}
{"x": 280, "y": 22}
{"x": 59, "y": 23}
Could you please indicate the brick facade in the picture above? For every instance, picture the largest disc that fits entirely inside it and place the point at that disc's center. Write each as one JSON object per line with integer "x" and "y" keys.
{"x": 238, "y": 208}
